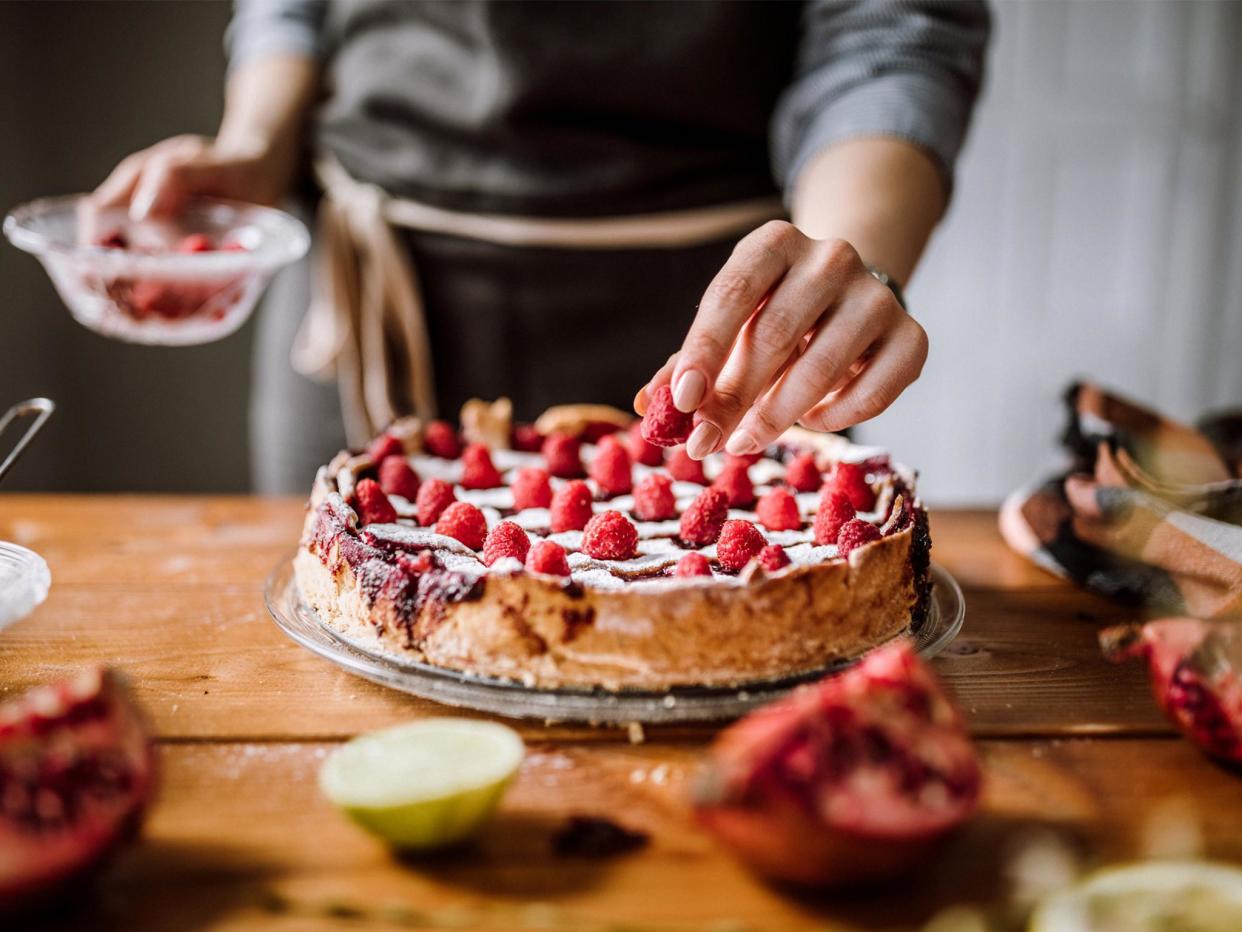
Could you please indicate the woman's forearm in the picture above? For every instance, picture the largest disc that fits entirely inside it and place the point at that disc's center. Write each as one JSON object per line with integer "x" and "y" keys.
{"x": 882, "y": 195}
{"x": 267, "y": 103}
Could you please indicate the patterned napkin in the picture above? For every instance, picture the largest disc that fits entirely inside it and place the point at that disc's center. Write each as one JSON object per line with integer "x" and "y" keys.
{"x": 1150, "y": 512}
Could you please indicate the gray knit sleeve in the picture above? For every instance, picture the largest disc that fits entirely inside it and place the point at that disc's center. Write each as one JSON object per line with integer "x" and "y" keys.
{"x": 910, "y": 69}
{"x": 264, "y": 27}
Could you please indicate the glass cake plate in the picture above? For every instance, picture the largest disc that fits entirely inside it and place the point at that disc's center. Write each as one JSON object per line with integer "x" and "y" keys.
{"x": 573, "y": 704}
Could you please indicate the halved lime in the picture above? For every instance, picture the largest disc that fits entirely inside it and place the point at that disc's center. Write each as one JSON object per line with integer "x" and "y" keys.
{"x": 426, "y": 784}
{"x": 1168, "y": 896}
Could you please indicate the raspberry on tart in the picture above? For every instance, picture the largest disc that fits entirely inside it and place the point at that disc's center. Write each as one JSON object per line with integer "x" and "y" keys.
{"x": 778, "y": 510}
{"x": 384, "y": 446}
{"x": 640, "y": 450}
{"x": 372, "y": 504}
{"x": 734, "y": 481}
{"x": 611, "y": 469}
{"x": 563, "y": 454}
{"x": 531, "y": 489}
{"x": 803, "y": 474}
{"x": 693, "y": 564}
{"x": 478, "y": 471}
{"x": 526, "y": 438}
{"x": 702, "y": 521}
{"x": 851, "y": 481}
{"x": 739, "y": 543}
{"x": 610, "y": 535}
{"x": 556, "y": 594}
{"x": 440, "y": 439}
{"x": 571, "y": 507}
{"x": 396, "y": 477}
{"x": 773, "y": 557}
{"x": 684, "y": 469}
{"x": 654, "y": 500}
{"x": 433, "y": 497}
{"x": 465, "y": 523}
{"x": 547, "y": 557}
{"x": 506, "y": 539}
{"x": 834, "y": 510}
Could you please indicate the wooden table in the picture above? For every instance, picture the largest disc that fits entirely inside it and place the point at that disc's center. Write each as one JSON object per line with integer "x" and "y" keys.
{"x": 169, "y": 590}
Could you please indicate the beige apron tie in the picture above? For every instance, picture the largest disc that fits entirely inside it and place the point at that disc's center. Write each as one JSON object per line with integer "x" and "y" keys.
{"x": 366, "y": 325}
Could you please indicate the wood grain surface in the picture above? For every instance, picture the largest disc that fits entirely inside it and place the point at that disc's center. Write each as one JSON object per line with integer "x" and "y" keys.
{"x": 170, "y": 589}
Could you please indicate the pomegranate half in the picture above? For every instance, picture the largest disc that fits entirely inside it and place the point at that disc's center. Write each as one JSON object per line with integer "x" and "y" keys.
{"x": 1193, "y": 666}
{"x": 76, "y": 772}
{"x": 850, "y": 779}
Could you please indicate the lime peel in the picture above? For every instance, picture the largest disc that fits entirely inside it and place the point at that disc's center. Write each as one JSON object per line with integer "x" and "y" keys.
{"x": 1153, "y": 895}
{"x": 426, "y": 784}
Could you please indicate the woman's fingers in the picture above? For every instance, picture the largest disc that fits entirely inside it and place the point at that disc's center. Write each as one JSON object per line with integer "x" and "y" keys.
{"x": 118, "y": 187}
{"x": 898, "y": 362}
{"x": 818, "y": 278}
{"x": 839, "y": 345}
{"x": 758, "y": 262}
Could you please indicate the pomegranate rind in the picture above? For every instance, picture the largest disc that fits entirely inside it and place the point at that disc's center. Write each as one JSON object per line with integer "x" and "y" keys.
{"x": 853, "y": 778}
{"x": 77, "y": 770}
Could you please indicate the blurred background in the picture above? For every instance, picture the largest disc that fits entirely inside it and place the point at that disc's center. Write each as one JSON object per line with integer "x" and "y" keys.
{"x": 1096, "y": 231}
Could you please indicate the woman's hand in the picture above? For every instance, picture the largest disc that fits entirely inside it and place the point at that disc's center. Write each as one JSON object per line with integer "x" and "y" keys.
{"x": 159, "y": 180}
{"x": 790, "y": 330}
{"x": 253, "y": 158}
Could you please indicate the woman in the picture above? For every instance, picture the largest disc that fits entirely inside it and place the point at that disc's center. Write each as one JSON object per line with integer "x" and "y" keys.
{"x": 529, "y": 200}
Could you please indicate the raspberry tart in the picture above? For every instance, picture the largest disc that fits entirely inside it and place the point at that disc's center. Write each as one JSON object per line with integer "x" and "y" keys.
{"x": 582, "y": 552}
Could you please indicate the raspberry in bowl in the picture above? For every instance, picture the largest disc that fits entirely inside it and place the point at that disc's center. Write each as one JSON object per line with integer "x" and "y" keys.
{"x": 191, "y": 279}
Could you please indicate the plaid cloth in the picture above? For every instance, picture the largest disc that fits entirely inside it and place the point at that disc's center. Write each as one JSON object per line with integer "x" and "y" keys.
{"x": 1150, "y": 512}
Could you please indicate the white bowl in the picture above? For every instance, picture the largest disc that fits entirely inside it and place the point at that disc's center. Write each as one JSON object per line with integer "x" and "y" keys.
{"x": 146, "y": 291}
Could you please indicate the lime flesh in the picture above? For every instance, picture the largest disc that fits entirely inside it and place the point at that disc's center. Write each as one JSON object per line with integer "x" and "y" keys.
{"x": 1158, "y": 896}
{"x": 423, "y": 785}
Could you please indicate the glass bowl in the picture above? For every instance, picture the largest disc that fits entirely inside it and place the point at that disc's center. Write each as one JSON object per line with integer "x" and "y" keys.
{"x": 191, "y": 279}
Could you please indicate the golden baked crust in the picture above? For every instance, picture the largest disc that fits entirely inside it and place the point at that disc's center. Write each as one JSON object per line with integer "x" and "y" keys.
{"x": 618, "y": 626}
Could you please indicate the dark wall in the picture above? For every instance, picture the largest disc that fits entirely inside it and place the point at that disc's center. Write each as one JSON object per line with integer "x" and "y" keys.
{"x": 83, "y": 84}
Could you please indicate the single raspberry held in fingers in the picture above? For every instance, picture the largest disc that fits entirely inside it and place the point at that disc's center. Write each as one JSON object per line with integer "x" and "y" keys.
{"x": 773, "y": 557}
{"x": 434, "y": 496}
{"x": 834, "y": 510}
{"x": 640, "y": 450}
{"x": 663, "y": 424}
{"x": 693, "y": 564}
{"x": 440, "y": 439}
{"x": 803, "y": 474}
{"x": 734, "y": 481}
{"x": 384, "y": 446}
{"x": 854, "y": 534}
{"x": 531, "y": 489}
{"x": 702, "y": 521}
{"x": 478, "y": 472}
{"x": 778, "y": 510}
{"x": 114, "y": 240}
{"x": 739, "y": 543}
{"x": 653, "y": 498}
{"x": 526, "y": 439}
{"x": 548, "y": 557}
{"x": 684, "y": 469}
{"x": 463, "y": 522}
{"x": 562, "y": 453}
{"x": 611, "y": 467}
{"x": 850, "y": 480}
{"x": 397, "y": 478}
{"x": 610, "y": 535}
{"x": 372, "y": 504}
{"x": 506, "y": 539}
{"x": 571, "y": 507}
{"x": 196, "y": 242}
